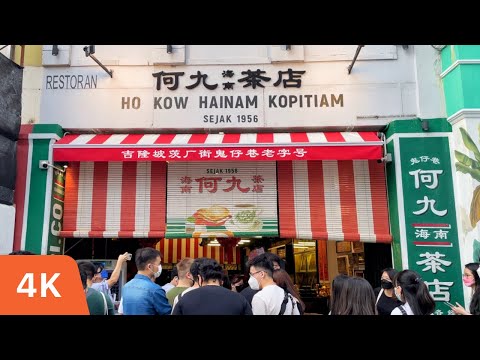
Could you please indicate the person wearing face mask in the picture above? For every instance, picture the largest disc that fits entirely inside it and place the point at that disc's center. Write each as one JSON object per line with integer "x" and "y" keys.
{"x": 410, "y": 289}
{"x": 277, "y": 263}
{"x": 184, "y": 279}
{"x": 386, "y": 299}
{"x": 237, "y": 283}
{"x": 141, "y": 295}
{"x": 211, "y": 298}
{"x": 271, "y": 299}
{"x": 471, "y": 279}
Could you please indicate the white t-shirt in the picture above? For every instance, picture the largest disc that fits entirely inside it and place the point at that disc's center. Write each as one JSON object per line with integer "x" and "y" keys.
{"x": 175, "y": 301}
{"x": 103, "y": 287}
{"x": 168, "y": 287}
{"x": 407, "y": 308}
{"x": 268, "y": 301}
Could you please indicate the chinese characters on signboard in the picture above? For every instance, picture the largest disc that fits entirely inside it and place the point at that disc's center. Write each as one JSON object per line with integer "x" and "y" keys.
{"x": 222, "y": 200}
{"x": 248, "y": 79}
{"x": 430, "y": 219}
{"x": 186, "y": 154}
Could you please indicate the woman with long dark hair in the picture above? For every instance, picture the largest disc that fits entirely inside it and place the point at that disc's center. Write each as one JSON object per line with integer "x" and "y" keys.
{"x": 413, "y": 292}
{"x": 337, "y": 285}
{"x": 356, "y": 298}
{"x": 471, "y": 278}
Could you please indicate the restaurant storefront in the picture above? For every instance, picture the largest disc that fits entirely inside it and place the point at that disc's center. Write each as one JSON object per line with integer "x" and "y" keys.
{"x": 196, "y": 173}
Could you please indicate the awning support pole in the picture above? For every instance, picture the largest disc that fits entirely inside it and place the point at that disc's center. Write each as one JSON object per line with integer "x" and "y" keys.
{"x": 350, "y": 67}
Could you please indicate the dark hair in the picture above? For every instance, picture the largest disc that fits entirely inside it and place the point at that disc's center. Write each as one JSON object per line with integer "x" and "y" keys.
{"x": 83, "y": 278}
{"x": 415, "y": 292}
{"x": 390, "y": 272}
{"x": 195, "y": 268}
{"x": 475, "y": 302}
{"x": 88, "y": 267}
{"x": 98, "y": 267}
{"x": 337, "y": 286}
{"x": 356, "y": 298}
{"x": 145, "y": 256}
{"x": 174, "y": 273}
{"x": 22, "y": 252}
{"x": 236, "y": 278}
{"x": 226, "y": 282}
{"x": 273, "y": 257}
{"x": 209, "y": 269}
{"x": 263, "y": 262}
{"x": 283, "y": 279}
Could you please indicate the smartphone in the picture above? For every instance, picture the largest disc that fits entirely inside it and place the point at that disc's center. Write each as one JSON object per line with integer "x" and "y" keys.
{"x": 448, "y": 304}
{"x": 129, "y": 256}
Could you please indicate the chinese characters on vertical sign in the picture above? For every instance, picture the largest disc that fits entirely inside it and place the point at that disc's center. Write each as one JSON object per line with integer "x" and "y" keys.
{"x": 430, "y": 218}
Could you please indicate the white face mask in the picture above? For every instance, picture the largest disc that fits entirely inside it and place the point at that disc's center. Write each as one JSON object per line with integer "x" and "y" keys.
{"x": 254, "y": 285}
{"x": 399, "y": 297}
{"x": 157, "y": 274}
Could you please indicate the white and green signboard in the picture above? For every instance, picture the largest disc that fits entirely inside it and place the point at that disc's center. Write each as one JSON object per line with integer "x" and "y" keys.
{"x": 222, "y": 199}
{"x": 425, "y": 231}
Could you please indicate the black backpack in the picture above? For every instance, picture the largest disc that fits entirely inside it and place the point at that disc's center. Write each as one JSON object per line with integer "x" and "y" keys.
{"x": 285, "y": 301}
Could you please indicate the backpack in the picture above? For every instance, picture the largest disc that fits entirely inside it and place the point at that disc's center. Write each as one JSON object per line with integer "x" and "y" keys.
{"x": 402, "y": 310}
{"x": 284, "y": 304}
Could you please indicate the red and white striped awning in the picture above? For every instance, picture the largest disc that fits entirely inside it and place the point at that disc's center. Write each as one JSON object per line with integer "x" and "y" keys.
{"x": 219, "y": 147}
{"x": 174, "y": 250}
{"x": 115, "y": 200}
{"x": 333, "y": 200}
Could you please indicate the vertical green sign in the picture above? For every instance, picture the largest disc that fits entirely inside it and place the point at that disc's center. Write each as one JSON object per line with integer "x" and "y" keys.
{"x": 55, "y": 243}
{"x": 430, "y": 217}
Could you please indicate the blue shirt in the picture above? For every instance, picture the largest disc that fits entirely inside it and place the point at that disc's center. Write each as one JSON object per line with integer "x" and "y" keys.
{"x": 141, "y": 296}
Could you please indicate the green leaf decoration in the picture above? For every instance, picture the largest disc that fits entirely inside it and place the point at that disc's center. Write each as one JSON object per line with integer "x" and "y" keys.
{"x": 476, "y": 250}
{"x": 464, "y": 159}
{"x": 474, "y": 173}
{"x": 470, "y": 144}
{"x": 190, "y": 219}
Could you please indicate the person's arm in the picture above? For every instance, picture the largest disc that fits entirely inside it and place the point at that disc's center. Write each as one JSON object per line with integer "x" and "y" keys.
{"x": 460, "y": 310}
{"x": 160, "y": 302}
{"x": 116, "y": 272}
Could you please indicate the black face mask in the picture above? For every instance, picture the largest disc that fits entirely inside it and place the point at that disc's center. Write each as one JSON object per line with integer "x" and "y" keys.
{"x": 239, "y": 288}
{"x": 386, "y": 284}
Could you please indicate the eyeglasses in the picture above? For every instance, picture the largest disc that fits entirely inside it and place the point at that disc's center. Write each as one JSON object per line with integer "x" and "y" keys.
{"x": 255, "y": 272}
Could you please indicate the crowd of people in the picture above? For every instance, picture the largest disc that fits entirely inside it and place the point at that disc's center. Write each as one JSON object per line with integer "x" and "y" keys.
{"x": 269, "y": 291}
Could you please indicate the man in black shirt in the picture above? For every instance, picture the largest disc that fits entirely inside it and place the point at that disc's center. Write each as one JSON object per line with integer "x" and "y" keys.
{"x": 211, "y": 298}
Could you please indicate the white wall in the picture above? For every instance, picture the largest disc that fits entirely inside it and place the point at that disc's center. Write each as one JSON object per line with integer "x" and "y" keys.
{"x": 381, "y": 87}
{"x": 31, "y": 94}
{"x": 429, "y": 88}
{"x": 7, "y": 225}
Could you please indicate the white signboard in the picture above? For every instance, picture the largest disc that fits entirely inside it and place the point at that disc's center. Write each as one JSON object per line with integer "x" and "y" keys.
{"x": 228, "y": 199}
{"x": 284, "y": 95}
